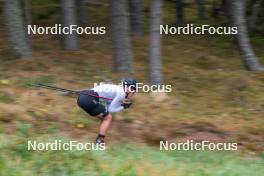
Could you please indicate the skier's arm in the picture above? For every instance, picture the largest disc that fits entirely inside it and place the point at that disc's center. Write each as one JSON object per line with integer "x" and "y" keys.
{"x": 115, "y": 105}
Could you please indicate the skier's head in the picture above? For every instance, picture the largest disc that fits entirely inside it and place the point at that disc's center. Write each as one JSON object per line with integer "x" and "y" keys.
{"x": 129, "y": 84}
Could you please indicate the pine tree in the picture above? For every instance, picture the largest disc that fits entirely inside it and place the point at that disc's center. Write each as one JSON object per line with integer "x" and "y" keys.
{"x": 155, "y": 74}
{"x": 16, "y": 28}
{"x": 122, "y": 53}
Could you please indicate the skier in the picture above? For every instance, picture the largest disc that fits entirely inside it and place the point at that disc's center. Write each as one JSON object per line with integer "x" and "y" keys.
{"x": 107, "y": 99}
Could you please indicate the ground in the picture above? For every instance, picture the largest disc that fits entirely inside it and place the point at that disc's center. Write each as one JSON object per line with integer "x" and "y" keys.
{"x": 221, "y": 101}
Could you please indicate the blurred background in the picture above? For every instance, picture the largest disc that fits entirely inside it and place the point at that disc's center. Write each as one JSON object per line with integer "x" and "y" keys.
{"x": 217, "y": 86}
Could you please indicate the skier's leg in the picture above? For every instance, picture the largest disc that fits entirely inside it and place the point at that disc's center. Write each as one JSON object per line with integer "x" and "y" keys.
{"x": 104, "y": 126}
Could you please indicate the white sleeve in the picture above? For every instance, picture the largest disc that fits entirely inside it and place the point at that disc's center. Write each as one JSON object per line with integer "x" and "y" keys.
{"x": 115, "y": 105}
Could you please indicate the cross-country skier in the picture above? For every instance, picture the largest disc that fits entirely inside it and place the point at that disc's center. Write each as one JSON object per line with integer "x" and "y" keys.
{"x": 114, "y": 99}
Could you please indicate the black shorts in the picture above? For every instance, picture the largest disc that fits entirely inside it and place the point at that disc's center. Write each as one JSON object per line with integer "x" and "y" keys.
{"x": 91, "y": 104}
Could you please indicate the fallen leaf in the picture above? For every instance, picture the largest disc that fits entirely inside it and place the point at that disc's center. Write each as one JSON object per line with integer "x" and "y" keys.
{"x": 4, "y": 81}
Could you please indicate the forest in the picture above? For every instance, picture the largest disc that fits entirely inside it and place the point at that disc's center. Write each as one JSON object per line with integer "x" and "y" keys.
{"x": 209, "y": 53}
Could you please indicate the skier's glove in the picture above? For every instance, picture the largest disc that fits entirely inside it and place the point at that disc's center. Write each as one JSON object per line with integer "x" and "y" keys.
{"x": 126, "y": 103}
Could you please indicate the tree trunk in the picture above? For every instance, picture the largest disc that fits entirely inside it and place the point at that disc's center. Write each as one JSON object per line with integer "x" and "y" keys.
{"x": 16, "y": 28}
{"x": 27, "y": 10}
{"x": 28, "y": 18}
{"x": 201, "y": 9}
{"x": 179, "y": 12}
{"x": 260, "y": 20}
{"x": 248, "y": 56}
{"x": 155, "y": 74}
{"x": 226, "y": 9}
{"x": 122, "y": 54}
{"x": 82, "y": 12}
{"x": 254, "y": 16}
{"x": 69, "y": 41}
{"x": 216, "y": 9}
{"x": 136, "y": 8}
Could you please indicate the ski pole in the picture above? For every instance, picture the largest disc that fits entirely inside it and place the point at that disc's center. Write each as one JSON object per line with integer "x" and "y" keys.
{"x": 70, "y": 91}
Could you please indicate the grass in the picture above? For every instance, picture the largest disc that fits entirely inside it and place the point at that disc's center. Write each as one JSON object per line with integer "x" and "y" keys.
{"x": 126, "y": 159}
{"x": 30, "y": 83}
{"x": 54, "y": 127}
{"x": 4, "y": 98}
{"x": 22, "y": 128}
